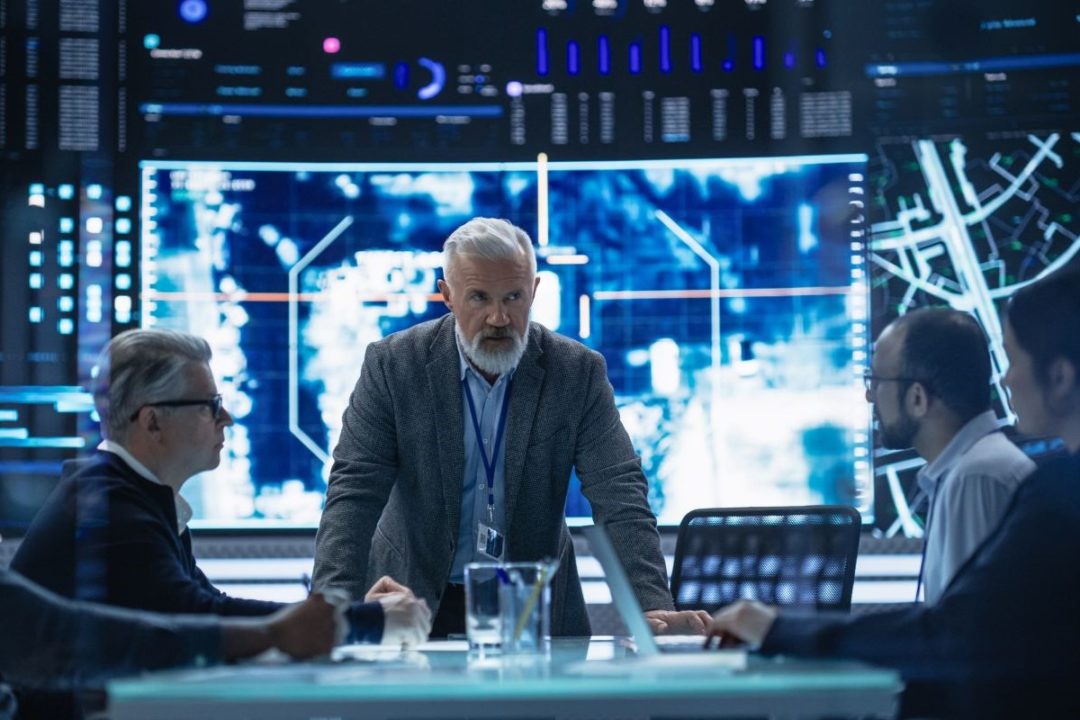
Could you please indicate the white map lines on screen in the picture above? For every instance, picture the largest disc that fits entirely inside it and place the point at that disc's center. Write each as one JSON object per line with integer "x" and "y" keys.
{"x": 347, "y": 300}
{"x": 294, "y": 338}
{"x": 714, "y": 307}
{"x": 905, "y": 247}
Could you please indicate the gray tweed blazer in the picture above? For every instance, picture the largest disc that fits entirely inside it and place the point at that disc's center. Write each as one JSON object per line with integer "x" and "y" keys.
{"x": 394, "y": 497}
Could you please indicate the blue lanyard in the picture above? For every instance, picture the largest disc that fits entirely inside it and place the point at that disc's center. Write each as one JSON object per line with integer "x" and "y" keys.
{"x": 489, "y": 465}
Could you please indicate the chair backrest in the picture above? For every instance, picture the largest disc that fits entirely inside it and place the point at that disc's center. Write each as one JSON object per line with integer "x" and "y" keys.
{"x": 795, "y": 557}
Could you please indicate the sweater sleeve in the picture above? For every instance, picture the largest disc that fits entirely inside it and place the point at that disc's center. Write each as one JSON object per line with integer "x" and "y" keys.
{"x": 150, "y": 568}
{"x": 366, "y": 622}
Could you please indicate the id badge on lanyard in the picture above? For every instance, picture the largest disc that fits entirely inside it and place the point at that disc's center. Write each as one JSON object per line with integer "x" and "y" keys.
{"x": 489, "y": 541}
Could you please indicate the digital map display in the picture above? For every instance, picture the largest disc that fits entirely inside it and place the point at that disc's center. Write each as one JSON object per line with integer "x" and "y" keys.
{"x": 965, "y": 222}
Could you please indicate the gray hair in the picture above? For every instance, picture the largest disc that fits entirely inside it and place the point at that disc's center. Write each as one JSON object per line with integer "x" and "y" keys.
{"x": 490, "y": 239}
{"x": 139, "y": 367}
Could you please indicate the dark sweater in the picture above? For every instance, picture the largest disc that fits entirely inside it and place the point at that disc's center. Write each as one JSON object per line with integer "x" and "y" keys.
{"x": 1004, "y": 639}
{"x": 108, "y": 535}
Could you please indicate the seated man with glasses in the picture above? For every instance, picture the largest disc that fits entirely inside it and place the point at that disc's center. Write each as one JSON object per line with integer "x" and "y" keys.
{"x": 929, "y": 383}
{"x": 115, "y": 529}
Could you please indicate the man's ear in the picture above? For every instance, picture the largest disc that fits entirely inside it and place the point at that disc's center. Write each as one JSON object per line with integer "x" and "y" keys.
{"x": 532, "y": 294}
{"x": 149, "y": 420}
{"x": 917, "y": 400}
{"x": 1061, "y": 384}
{"x": 444, "y": 288}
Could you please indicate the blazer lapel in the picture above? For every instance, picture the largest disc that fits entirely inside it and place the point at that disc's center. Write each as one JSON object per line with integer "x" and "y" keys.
{"x": 524, "y": 399}
{"x": 444, "y": 385}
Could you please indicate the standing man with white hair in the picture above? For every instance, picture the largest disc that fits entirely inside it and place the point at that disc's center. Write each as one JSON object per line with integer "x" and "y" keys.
{"x": 459, "y": 441}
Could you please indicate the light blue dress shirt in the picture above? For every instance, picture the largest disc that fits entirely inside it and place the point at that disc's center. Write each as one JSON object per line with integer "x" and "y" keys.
{"x": 488, "y": 399}
{"x": 970, "y": 486}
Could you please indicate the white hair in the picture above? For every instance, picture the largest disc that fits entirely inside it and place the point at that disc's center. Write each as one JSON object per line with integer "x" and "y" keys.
{"x": 139, "y": 367}
{"x": 490, "y": 239}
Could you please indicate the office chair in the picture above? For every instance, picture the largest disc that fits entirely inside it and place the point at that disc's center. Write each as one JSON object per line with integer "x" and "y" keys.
{"x": 794, "y": 557}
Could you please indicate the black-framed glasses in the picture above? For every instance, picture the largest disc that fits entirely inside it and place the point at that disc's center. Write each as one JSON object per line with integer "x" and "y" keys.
{"x": 870, "y": 379}
{"x": 214, "y": 403}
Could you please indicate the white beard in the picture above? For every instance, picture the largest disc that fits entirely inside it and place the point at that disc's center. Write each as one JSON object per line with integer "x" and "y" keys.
{"x": 494, "y": 363}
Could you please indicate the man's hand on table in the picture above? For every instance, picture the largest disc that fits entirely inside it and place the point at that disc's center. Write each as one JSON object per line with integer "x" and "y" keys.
{"x": 674, "y": 622}
{"x": 746, "y": 621}
{"x": 384, "y": 586}
{"x": 407, "y": 621}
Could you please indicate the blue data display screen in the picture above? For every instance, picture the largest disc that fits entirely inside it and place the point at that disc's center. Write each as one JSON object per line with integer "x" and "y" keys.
{"x": 728, "y": 297}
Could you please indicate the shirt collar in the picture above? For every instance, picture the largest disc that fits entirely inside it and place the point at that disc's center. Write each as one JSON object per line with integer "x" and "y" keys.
{"x": 183, "y": 509}
{"x": 973, "y": 431}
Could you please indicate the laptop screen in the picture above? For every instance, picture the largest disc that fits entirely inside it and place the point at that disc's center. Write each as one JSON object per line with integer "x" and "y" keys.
{"x": 622, "y": 594}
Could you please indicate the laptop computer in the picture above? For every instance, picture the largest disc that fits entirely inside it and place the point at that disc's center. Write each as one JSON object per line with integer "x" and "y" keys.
{"x": 622, "y": 595}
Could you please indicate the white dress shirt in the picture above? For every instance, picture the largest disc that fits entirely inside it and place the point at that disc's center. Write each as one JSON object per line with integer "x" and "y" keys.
{"x": 183, "y": 509}
{"x": 969, "y": 485}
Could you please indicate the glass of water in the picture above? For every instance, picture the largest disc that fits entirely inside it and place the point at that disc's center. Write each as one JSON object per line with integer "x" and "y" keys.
{"x": 507, "y": 606}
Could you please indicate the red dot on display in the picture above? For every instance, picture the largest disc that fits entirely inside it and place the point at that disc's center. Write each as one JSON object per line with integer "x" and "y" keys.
{"x": 331, "y": 45}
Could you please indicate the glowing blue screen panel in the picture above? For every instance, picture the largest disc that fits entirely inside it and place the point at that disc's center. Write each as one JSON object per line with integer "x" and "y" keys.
{"x": 727, "y": 296}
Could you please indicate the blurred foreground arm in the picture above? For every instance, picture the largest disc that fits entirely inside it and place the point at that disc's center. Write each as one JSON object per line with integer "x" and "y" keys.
{"x": 50, "y": 642}
{"x": 303, "y": 630}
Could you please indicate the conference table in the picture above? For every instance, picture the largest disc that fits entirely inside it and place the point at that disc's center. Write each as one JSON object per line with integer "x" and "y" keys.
{"x": 599, "y": 677}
